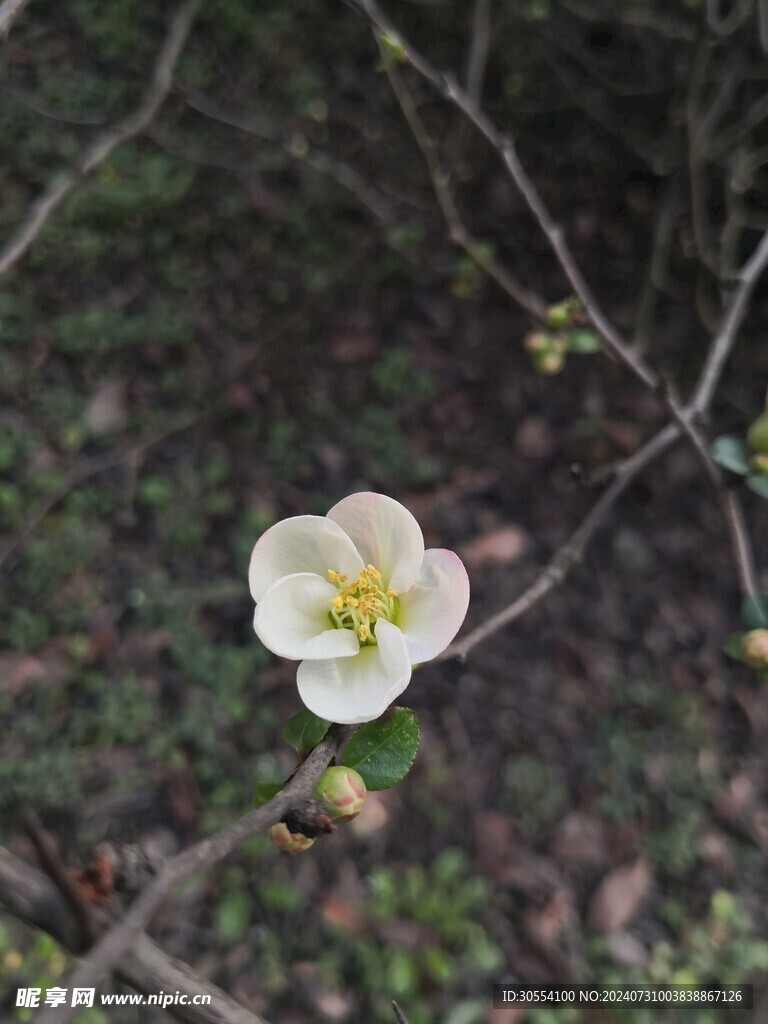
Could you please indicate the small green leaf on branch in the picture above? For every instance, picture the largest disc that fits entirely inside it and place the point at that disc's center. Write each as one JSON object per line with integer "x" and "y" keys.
{"x": 730, "y": 453}
{"x": 582, "y": 342}
{"x": 304, "y": 731}
{"x": 758, "y": 482}
{"x": 383, "y": 751}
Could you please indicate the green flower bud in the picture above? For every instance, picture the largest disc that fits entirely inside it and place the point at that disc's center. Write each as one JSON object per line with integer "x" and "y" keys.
{"x": 757, "y": 435}
{"x": 287, "y": 841}
{"x": 754, "y": 648}
{"x": 536, "y": 341}
{"x": 759, "y": 463}
{"x": 341, "y": 791}
{"x": 562, "y": 314}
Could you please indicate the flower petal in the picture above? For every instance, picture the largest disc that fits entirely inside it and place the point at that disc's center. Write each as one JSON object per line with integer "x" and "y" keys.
{"x": 302, "y": 544}
{"x": 292, "y": 620}
{"x": 359, "y": 689}
{"x": 432, "y": 611}
{"x": 385, "y": 533}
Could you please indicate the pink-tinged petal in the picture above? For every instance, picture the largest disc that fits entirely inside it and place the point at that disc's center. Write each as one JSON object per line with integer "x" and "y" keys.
{"x": 301, "y": 544}
{"x": 292, "y": 620}
{"x": 385, "y": 533}
{"x": 359, "y": 689}
{"x": 432, "y": 611}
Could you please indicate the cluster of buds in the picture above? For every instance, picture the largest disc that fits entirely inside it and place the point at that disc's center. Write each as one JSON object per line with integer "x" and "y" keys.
{"x": 340, "y": 793}
{"x": 564, "y": 330}
{"x": 547, "y": 351}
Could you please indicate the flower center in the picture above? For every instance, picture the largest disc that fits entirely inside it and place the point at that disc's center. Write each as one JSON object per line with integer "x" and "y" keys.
{"x": 359, "y": 603}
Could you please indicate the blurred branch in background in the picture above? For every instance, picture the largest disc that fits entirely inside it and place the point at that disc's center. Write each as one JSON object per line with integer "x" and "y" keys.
{"x": 162, "y": 80}
{"x": 684, "y": 417}
{"x": 190, "y": 862}
{"x": 32, "y": 898}
{"x": 9, "y": 11}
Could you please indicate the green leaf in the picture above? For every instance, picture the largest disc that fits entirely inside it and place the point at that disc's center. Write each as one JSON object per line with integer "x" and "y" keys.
{"x": 264, "y": 791}
{"x": 383, "y": 751}
{"x": 754, "y": 612}
{"x": 730, "y": 453}
{"x": 304, "y": 731}
{"x": 732, "y": 647}
{"x": 758, "y": 482}
{"x": 582, "y": 342}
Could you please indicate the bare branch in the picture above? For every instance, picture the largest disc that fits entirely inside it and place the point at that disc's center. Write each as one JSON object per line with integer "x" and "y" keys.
{"x": 50, "y": 862}
{"x": 570, "y": 554}
{"x": 162, "y": 78}
{"x": 515, "y": 289}
{"x": 450, "y": 89}
{"x": 725, "y": 338}
{"x": 32, "y": 898}
{"x": 399, "y": 1015}
{"x": 9, "y": 12}
{"x": 185, "y": 865}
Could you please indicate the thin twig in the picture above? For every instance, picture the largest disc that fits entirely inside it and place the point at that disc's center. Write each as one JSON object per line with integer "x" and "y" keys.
{"x": 570, "y": 554}
{"x": 723, "y": 343}
{"x": 162, "y": 78}
{"x": 459, "y": 234}
{"x": 32, "y": 898}
{"x": 51, "y": 864}
{"x": 451, "y": 90}
{"x": 9, "y": 12}
{"x": 730, "y": 504}
{"x": 399, "y": 1015}
{"x": 740, "y": 541}
{"x": 184, "y": 866}
{"x": 344, "y": 175}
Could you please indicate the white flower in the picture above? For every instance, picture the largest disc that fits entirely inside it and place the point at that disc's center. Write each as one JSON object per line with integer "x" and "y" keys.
{"x": 355, "y": 597}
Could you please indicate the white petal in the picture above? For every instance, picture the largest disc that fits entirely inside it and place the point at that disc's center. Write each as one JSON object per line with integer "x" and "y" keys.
{"x": 432, "y": 611}
{"x": 385, "y": 533}
{"x": 301, "y": 544}
{"x": 358, "y": 689}
{"x": 292, "y": 620}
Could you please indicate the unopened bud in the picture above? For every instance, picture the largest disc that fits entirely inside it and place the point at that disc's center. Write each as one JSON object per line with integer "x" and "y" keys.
{"x": 562, "y": 314}
{"x": 757, "y": 435}
{"x": 759, "y": 463}
{"x": 549, "y": 363}
{"x": 536, "y": 341}
{"x": 341, "y": 791}
{"x": 754, "y": 648}
{"x": 287, "y": 841}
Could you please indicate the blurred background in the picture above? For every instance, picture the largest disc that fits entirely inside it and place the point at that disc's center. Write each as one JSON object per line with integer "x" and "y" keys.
{"x": 254, "y": 308}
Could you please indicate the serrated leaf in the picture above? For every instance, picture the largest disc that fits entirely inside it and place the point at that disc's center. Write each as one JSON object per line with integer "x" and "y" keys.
{"x": 304, "y": 731}
{"x": 383, "y": 751}
{"x": 758, "y": 482}
{"x": 754, "y": 612}
{"x": 732, "y": 647}
{"x": 264, "y": 791}
{"x": 730, "y": 453}
{"x": 582, "y": 342}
